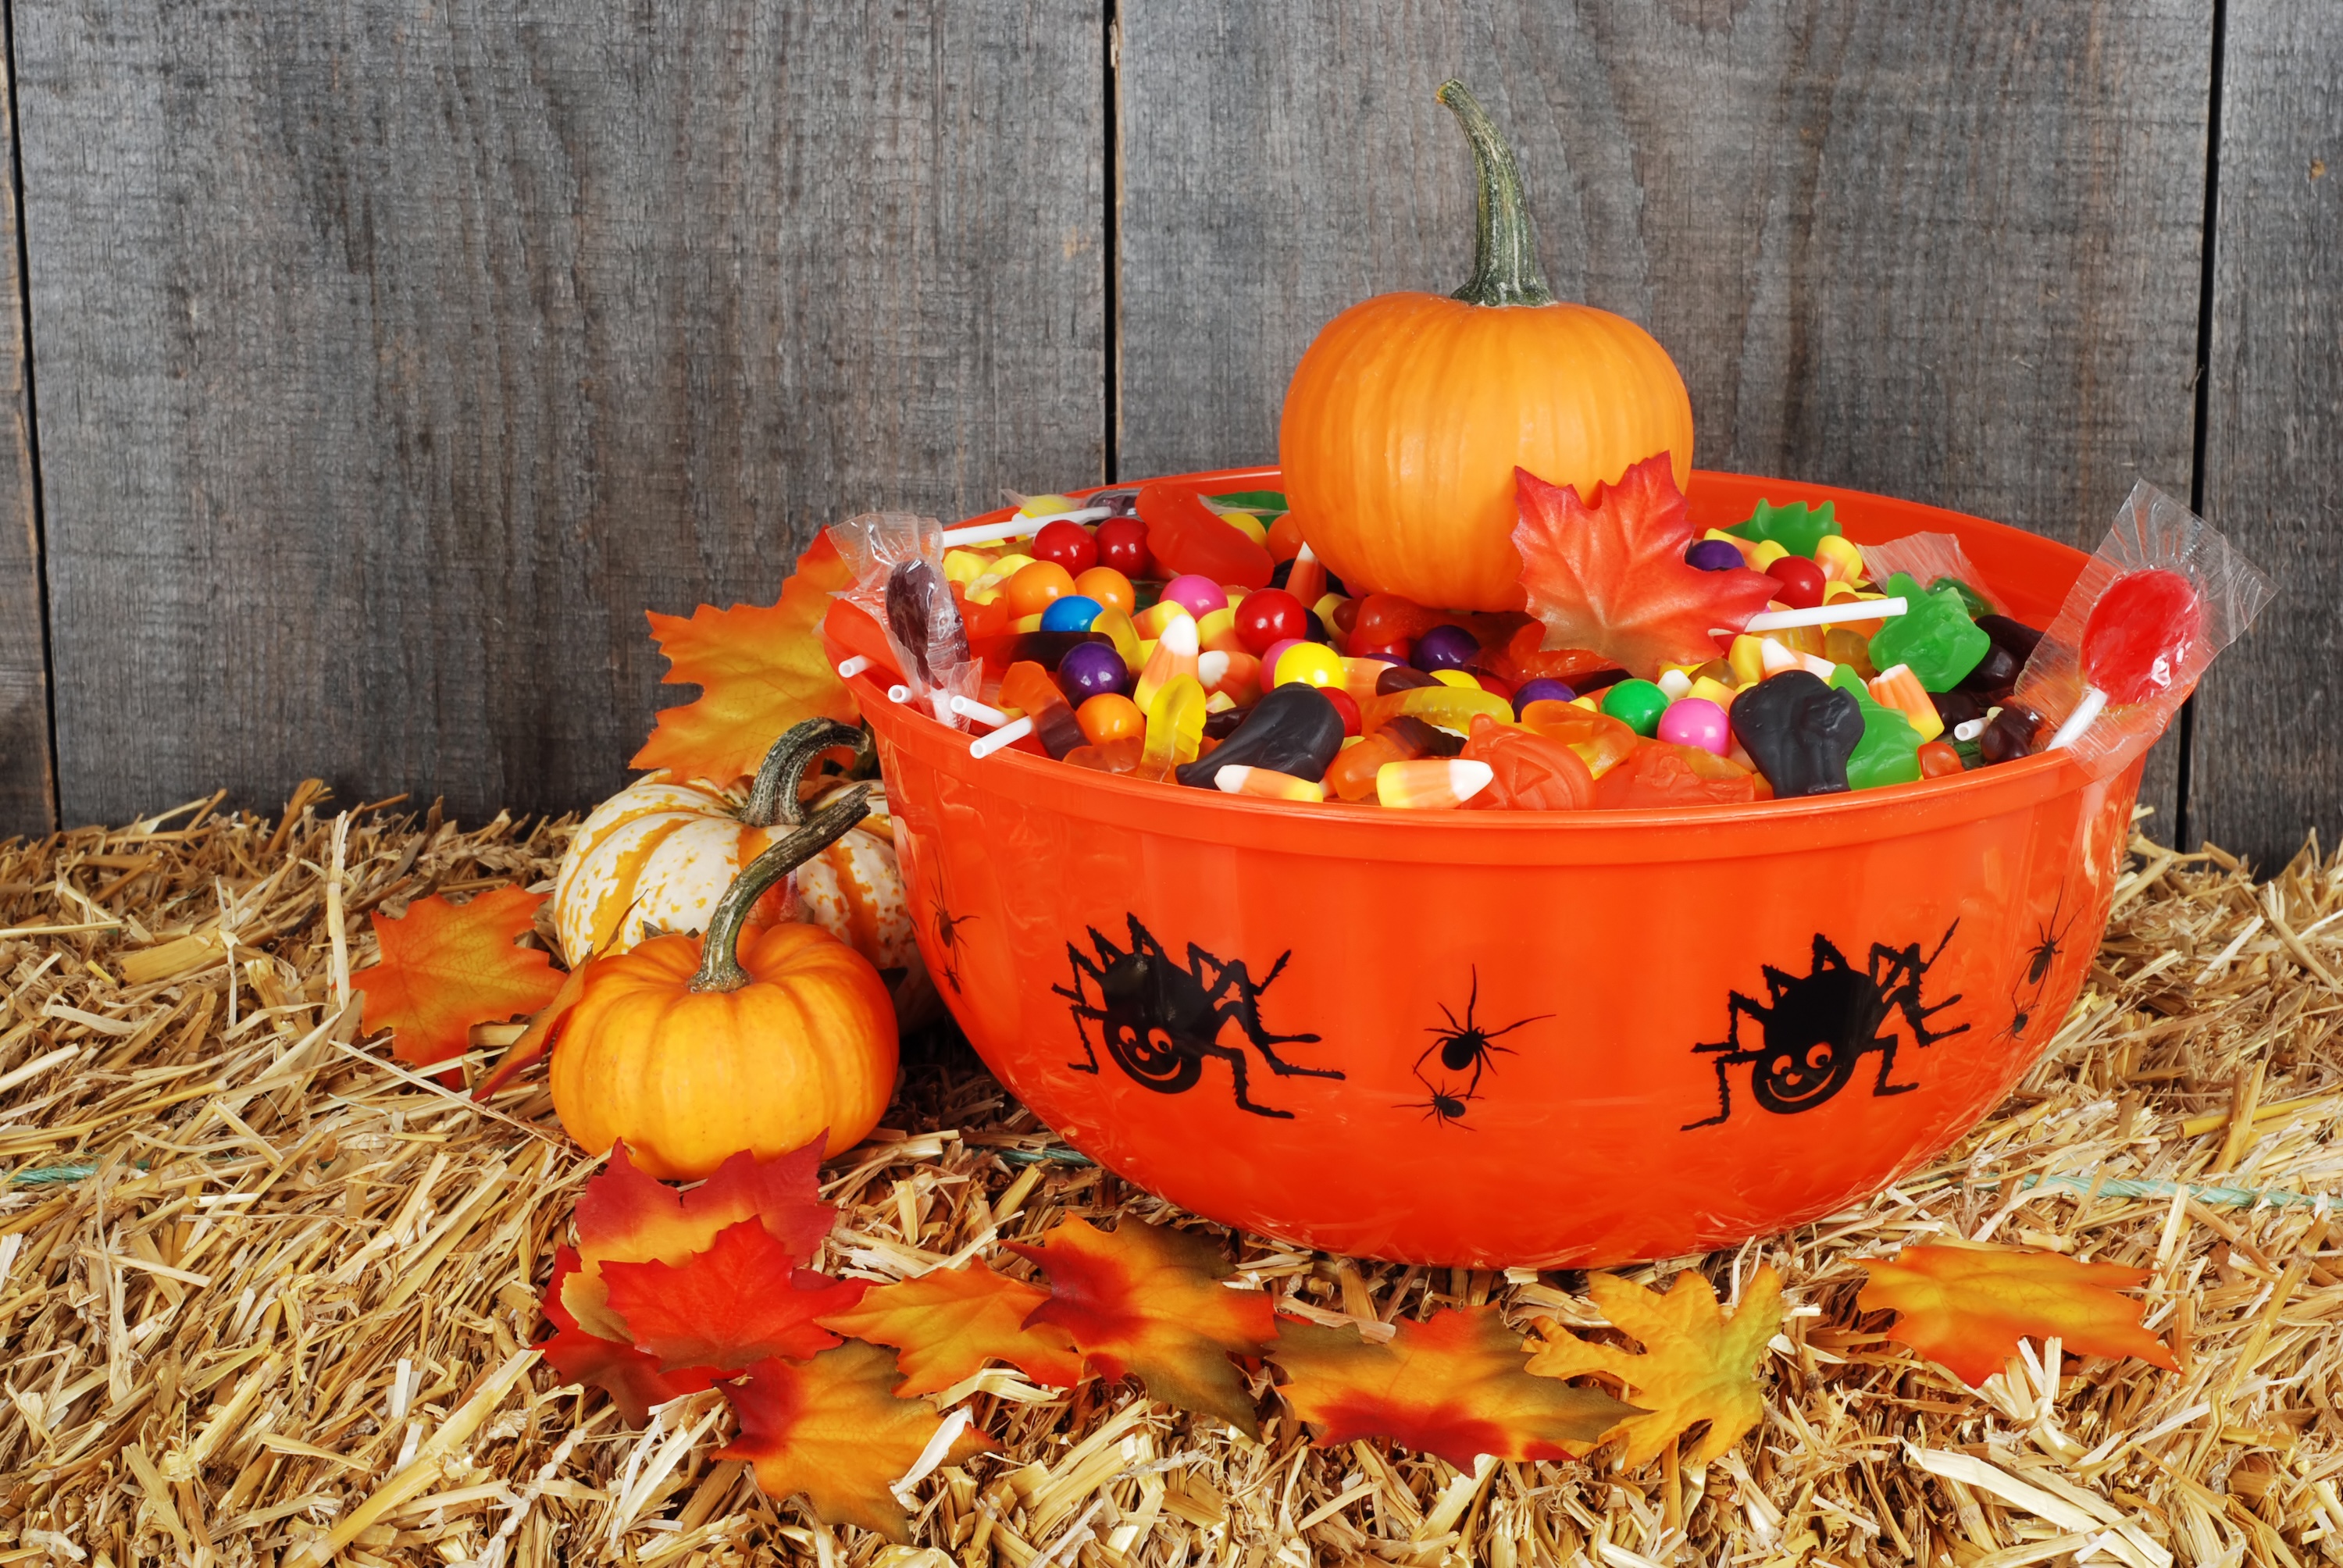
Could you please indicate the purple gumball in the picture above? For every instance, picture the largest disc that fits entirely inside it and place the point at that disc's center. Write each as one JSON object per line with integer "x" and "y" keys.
{"x": 1446, "y": 648}
{"x": 1092, "y": 670}
{"x": 1713, "y": 556}
{"x": 1542, "y": 689}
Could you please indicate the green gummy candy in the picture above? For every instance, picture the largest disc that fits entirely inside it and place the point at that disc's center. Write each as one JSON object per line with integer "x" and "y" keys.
{"x": 1797, "y": 528}
{"x": 1934, "y": 635}
{"x": 1889, "y": 751}
{"x": 1970, "y": 596}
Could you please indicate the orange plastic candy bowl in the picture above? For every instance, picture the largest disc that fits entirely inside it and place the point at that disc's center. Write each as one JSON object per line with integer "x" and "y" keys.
{"x": 1511, "y": 1039}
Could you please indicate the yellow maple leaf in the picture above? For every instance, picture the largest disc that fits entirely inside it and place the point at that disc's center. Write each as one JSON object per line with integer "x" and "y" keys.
{"x": 1697, "y": 1364}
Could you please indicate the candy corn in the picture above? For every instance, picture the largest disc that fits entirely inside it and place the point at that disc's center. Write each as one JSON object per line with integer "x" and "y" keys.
{"x": 1431, "y": 783}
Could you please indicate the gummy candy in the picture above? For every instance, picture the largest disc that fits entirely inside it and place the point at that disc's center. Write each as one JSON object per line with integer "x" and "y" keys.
{"x": 1187, "y": 538}
{"x": 1800, "y": 732}
{"x": 1889, "y": 752}
{"x": 1797, "y": 526}
{"x": 1934, "y": 635}
{"x": 1658, "y": 774}
{"x": 1175, "y": 726}
{"x": 1528, "y": 771}
{"x": 1292, "y": 730}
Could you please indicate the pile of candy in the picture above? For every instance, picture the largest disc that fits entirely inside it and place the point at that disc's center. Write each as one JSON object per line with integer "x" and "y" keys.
{"x": 1165, "y": 633}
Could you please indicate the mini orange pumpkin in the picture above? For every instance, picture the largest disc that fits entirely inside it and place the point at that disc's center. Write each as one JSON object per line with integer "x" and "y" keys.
{"x": 692, "y": 1050}
{"x": 1407, "y": 417}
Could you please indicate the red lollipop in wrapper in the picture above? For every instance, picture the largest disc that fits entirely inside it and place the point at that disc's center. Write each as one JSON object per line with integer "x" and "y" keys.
{"x": 2162, "y": 595}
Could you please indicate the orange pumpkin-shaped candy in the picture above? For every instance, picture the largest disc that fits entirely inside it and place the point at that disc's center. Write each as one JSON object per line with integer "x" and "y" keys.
{"x": 1407, "y": 417}
{"x": 694, "y": 1050}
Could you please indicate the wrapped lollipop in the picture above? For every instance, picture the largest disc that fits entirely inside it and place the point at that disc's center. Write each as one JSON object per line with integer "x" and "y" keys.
{"x": 930, "y": 639}
{"x": 2162, "y": 594}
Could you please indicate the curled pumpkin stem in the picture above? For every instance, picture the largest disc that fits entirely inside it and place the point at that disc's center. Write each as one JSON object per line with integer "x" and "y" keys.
{"x": 720, "y": 956}
{"x": 1506, "y": 268}
{"x": 773, "y": 798}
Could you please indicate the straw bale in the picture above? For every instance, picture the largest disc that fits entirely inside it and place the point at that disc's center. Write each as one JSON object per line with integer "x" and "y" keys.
{"x": 268, "y": 1296}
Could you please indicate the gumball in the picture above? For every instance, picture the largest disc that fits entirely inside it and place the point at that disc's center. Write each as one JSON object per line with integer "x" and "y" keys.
{"x": 1272, "y": 654}
{"x": 1347, "y": 706}
{"x": 1542, "y": 689}
{"x": 1109, "y": 586}
{"x": 1110, "y": 717}
{"x": 1696, "y": 721}
{"x": 1092, "y": 670}
{"x": 1284, "y": 538}
{"x": 1802, "y": 581}
{"x": 1399, "y": 652}
{"x": 1074, "y": 612}
{"x": 1637, "y": 704}
{"x": 1122, "y": 543}
{"x": 1068, "y": 544}
{"x": 1201, "y": 595}
{"x": 1938, "y": 760}
{"x": 1446, "y": 648}
{"x": 1713, "y": 556}
{"x": 1312, "y": 663}
{"x": 1031, "y": 589}
{"x": 1271, "y": 615}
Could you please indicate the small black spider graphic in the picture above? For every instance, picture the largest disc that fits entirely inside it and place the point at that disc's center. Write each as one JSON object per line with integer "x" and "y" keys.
{"x": 1464, "y": 1047}
{"x": 948, "y": 938}
{"x": 2050, "y": 938}
{"x": 1445, "y": 1109}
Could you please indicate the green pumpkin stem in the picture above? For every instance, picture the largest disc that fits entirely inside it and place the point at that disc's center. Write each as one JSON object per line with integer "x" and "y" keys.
{"x": 719, "y": 957}
{"x": 1504, "y": 243}
{"x": 773, "y": 798}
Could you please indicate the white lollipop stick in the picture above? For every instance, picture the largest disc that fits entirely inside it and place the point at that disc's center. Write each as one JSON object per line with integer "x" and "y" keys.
{"x": 2085, "y": 712}
{"x": 1015, "y": 730}
{"x": 849, "y": 669}
{"x": 979, "y": 711}
{"x": 1019, "y": 527}
{"x": 1826, "y": 614}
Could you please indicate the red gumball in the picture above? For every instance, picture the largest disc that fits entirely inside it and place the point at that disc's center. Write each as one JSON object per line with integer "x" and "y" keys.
{"x": 1270, "y": 616}
{"x": 1346, "y": 705}
{"x": 1802, "y": 581}
{"x": 1122, "y": 543}
{"x": 1069, "y": 545}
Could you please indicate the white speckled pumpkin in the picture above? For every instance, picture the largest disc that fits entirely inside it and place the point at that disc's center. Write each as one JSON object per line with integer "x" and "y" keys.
{"x": 658, "y": 855}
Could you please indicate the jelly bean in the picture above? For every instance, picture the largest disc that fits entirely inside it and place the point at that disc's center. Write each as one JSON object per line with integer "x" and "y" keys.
{"x": 1800, "y": 732}
{"x": 1284, "y": 538}
{"x": 1337, "y": 612}
{"x": 1236, "y": 676}
{"x": 1445, "y": 647}
{"x": 2016, "y": 635}
{"x": 1093, "y": 670}
{"x": 1710, "y": 690}
{"x": 1346, "y": 704}
{"x": 1401, "y": 677}
{"x": 1934, "y": 635}
{"x": 1031, "y": 589}
{"x": 1839, "y": 558}
{"x": 1312, "y": 663}
{"x": 1269, "y": 616}
{"x": 1889, "y": 752}
{"x": 1122, "y": 544}
{"x": 1236, "y": 778}
{"x": 1431, "y": 783}
{"x": 1601, "y": 741}
{"x": 1187, "y": 538}
{"x": 1713, "y": 556}
{"x": 1385, "y": 619}
{"x": 1900, "y": 690}
{"x": 1069, "y": 545}
{"x": 1218, "y": 629}
{"x": 1175, "y": 726}
{"x": 1696, "y": 722}
{"x": 1801, "y": 580}
{"x": 1540, "y": 689}
{"x": 925, "y": 621}
{"x": 2009, "y": 734}
{"x": 1109, "y": 586}
{"x": 1528, "y": 771}
{"x": 1073, "y": 613}
{"x": 1660, "y": 774}
{"x": 1293, "y": 729}
{"x": 1938, "y": 760}
{"x": 1637, "y": 704}
{"x": 1174, "y": 659}
{"x": 965, "y": 567}
{"x": 1027, "y": 687}
{"x": 1111, "y": 716}
{"x": 1996, "y": 671}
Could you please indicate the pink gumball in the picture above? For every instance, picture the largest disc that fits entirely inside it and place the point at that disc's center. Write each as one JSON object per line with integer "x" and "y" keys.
{"x": 1201, "y": 595}
{"x": 1271, "y": 655}
{"x": 1696, "y": 721}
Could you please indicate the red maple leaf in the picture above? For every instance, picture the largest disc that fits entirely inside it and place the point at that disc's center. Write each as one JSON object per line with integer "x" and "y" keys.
{"x": 1612, "y": 577}
{"x": 445, "y": 967}
{"x": 743, "y": 1300}
{"x": 631, "y": 1378}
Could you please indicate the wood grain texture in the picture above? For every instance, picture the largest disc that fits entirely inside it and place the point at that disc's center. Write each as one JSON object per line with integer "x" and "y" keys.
{"x": 27, "y": 778}
{"x": 1945, "y": 251}
{"x": 396, "y": 359}
{"x": 2267, "y": 763}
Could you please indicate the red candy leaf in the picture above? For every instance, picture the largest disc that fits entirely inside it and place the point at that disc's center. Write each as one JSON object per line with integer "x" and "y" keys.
{"x": 741, "y": 1301}
{"x": 1612, "y": 577}
{"x": 632, "y": 1378}
{"x": 949, "y": 1322}
{"x": 447, "y": 966}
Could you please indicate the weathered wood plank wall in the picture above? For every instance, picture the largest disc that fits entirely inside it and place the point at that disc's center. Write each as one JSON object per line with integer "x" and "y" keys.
{"x": 391, "y": 360}
{"x": 27, "y": 776}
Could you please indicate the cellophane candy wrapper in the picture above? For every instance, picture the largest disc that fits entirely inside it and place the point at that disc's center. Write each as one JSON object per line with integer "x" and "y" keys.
{"x": 2152, "y": 531}
{"x": 874, "y": 543}
{"x": 930, "y": 639}
{"x": 1925, "y": 558}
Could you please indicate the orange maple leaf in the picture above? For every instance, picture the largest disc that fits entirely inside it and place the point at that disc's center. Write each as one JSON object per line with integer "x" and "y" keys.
{"x": 830, "y": 1429}
{"x": 631, "y": 1378}
{"x": 741, "y": 1301}
{"x": 760, "y": 668}
{"x": 1967, "y": 1307}
{"x": 1697, "y": 1364}
{"x": 445, "y": 967}
{"x": 949, "y": 1322}
{"x": 1613, "y": 578}
{"x": 626, "y": 1217}
{"x": 1457, "y": 1384}
{"x": 1147, "y": 1301}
